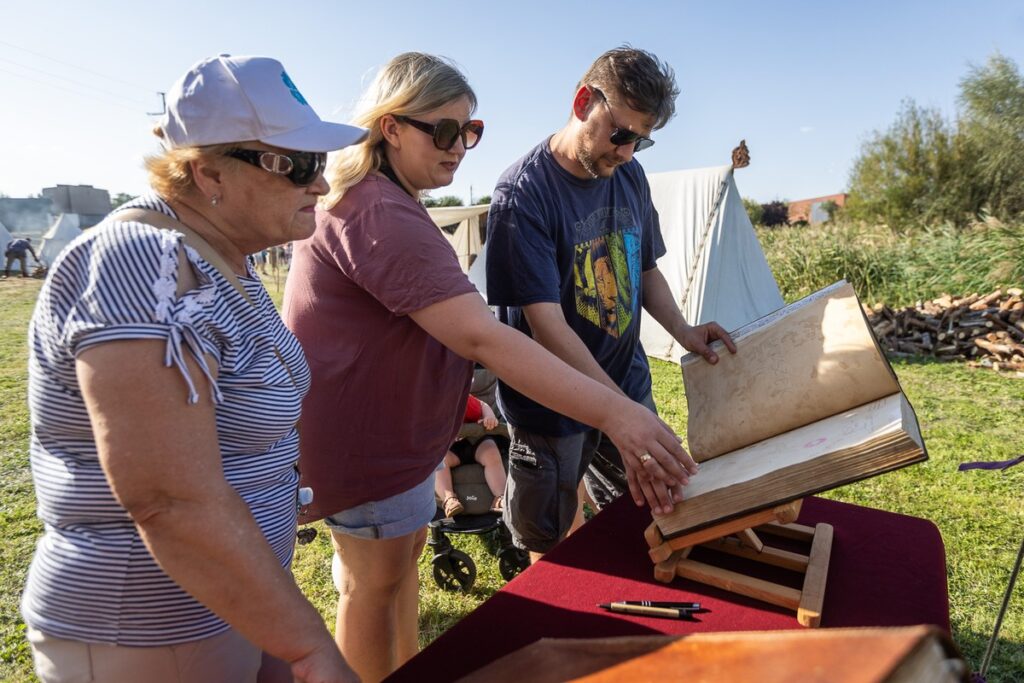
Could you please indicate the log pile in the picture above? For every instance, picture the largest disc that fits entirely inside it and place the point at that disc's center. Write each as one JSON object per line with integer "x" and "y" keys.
{"x": 986, "y": 331}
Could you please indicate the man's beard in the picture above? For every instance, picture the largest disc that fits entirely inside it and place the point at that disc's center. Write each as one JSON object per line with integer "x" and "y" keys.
{"x": 583, "y": 155}
{"x": 584, "y": 145}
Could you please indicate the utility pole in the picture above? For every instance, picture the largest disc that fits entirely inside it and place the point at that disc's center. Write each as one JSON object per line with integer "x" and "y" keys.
{"x": 471, "y": 195}
{"x": 163, "y": 105}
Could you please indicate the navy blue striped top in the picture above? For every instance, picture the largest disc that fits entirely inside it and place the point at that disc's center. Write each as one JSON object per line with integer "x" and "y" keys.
{"x": 92, "y": 578}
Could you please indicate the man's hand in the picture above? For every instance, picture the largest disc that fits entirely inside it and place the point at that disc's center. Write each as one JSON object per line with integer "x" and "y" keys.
{"x": 697, "y": 339}
{"x": 489, "y": 420}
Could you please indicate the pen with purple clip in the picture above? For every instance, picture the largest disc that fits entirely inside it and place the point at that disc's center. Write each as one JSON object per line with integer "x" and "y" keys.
{"x": 691, "y": 606}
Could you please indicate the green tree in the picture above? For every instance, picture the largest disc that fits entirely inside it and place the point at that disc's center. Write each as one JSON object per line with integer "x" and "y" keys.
{"x": 754, "y": 210}
{"x": 119, "y": 199}
{"x": 446, "y": 200}
{"x": 831, "y": 209}
{"x": 486, "y": 199}
{"x": 992, "y": 119}
{"x": 919, "y": 170}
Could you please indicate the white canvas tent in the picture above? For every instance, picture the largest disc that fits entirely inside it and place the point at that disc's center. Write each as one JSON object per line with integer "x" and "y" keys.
{"x": 467, "y": 240}
{"x": 60, "y": 234}
{"x": 714, "y": 266}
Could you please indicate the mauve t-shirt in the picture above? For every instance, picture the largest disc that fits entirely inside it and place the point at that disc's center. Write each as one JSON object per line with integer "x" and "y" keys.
{"x": 387, "y": 399}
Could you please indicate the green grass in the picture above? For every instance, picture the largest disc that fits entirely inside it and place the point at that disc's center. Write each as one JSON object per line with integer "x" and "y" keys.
{"x": 965, "y": 415}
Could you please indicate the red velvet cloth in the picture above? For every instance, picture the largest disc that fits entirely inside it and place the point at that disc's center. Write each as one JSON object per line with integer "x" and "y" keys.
{"x": 885, "y": 570}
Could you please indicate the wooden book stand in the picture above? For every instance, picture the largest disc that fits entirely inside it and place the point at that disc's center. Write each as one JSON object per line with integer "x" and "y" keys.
{"x": 738, "y": 537}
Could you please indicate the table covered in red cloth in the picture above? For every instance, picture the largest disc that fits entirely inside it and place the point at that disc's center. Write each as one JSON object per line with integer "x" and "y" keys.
{"x": 885, "y": 570}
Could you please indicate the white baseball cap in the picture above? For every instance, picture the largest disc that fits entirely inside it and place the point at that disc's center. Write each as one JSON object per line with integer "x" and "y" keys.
{"x": 233, "y": 99}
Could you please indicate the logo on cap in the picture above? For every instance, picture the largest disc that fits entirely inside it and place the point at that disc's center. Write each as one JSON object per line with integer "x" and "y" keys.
{"x": 293, "y": 90}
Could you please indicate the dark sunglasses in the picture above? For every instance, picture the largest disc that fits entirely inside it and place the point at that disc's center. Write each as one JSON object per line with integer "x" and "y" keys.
{"x": 624, "y": 136}
{"x": 447, "y": 131}
{"x": 302, "y": 168}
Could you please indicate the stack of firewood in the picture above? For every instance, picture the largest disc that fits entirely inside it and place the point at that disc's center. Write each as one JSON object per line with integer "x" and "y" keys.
{"x": 986, "y": 331}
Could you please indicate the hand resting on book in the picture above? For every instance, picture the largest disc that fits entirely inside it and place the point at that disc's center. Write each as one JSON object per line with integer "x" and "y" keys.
{"x": 697, "y": 339}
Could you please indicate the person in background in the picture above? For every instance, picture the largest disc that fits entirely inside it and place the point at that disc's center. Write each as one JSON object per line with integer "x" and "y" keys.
{"x": 387, "y": 318}
{"x": 484, "y": 451}
{"x": 573, "y": 241}
{"x": 260, "y": 259}
{"x": 15, "y": 253}
{"x": 164, "y": 392}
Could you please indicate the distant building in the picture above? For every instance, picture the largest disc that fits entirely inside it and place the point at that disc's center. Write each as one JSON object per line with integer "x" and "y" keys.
{"x": 28, "y": 217}
{"x": 90, "y": 203}
{"x": 810, "y": 211}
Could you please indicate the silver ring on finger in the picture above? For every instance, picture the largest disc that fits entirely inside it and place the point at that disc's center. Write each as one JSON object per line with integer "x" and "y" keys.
{"x": 644, "y": 458}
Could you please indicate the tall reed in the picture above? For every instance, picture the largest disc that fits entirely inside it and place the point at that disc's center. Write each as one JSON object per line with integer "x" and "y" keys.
{"x": 898, "y": 269}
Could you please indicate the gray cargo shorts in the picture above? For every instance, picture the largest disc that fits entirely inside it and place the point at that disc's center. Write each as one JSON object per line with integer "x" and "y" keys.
{"x": 540, "y": 493}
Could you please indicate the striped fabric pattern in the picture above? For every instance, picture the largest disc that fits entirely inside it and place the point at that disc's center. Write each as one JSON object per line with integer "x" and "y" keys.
{"x": 92, "y": 578}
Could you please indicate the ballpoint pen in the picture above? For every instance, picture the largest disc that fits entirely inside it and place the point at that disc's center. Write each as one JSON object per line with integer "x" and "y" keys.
{"x": 661, "y": 603}
{"x": 644, "y": 611}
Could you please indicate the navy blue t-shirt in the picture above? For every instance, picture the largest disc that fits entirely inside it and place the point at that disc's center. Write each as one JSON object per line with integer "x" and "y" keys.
{"x": 583, "y": 243}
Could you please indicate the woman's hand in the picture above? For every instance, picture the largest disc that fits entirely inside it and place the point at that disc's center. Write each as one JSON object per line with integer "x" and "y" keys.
{"x": 657, "y": 466}
{"x": 323, "y": 665}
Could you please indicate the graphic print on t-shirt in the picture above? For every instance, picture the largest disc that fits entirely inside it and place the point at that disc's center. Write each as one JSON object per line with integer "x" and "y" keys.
{"x": 606, "y": 269}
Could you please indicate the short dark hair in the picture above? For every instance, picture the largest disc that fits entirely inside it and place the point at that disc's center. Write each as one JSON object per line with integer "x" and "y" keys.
{"x": 647, "y": 84}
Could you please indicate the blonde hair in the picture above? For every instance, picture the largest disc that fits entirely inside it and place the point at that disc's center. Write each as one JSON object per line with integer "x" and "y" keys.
{"x": 170, "y": 172}
{"x": 411, "y": 84}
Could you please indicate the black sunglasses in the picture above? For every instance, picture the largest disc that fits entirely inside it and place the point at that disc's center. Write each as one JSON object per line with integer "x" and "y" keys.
{"x": 302, "y": 168}
{"x": 624, "y": 136}
{"x": 447, "y": 131}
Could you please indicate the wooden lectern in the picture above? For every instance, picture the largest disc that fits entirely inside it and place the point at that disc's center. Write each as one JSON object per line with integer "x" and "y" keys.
{"x": 739, "y": 537}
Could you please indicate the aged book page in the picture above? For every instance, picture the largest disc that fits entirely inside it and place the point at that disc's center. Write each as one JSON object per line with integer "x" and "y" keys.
{"x": 876, "y": 437}
{"x": 805, "y": 362}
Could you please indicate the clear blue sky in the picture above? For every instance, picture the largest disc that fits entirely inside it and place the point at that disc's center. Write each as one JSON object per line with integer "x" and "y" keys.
{"x": 804, "y": 82}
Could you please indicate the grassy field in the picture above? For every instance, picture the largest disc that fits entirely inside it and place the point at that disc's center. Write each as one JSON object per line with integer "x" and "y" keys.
{"x": 965, "y": 415}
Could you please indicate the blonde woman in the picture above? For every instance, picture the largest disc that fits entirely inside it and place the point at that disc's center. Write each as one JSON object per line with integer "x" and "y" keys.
{"x": 391, "y": 327}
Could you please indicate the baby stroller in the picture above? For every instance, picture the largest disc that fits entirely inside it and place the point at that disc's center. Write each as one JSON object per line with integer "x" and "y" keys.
{"x": 453, "y": 569}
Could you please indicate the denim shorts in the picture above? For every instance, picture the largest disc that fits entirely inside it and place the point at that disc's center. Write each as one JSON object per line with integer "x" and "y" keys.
{"x": 393, "y": 517}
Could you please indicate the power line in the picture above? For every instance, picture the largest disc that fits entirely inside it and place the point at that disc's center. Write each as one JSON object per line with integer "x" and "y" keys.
{"x": 75, "y": 66}
{"x": 71, "y": 80}
{"x": 76, "y": 92}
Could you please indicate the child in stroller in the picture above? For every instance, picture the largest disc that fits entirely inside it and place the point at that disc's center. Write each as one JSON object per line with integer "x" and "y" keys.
{"x": 469, "y": 490}
{"x": 469, "y": 448}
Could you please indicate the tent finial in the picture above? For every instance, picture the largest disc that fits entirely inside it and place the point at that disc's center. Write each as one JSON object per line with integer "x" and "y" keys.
{"x": 741, "y": 155}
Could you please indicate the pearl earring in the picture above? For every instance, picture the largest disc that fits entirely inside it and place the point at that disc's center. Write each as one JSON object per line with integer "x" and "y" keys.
{"x": 214, "y": 200}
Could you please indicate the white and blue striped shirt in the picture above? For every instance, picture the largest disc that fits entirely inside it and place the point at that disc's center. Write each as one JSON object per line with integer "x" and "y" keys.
{"x": 92, "y": 578}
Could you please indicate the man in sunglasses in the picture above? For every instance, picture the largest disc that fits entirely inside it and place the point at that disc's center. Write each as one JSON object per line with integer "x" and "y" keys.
{"x": 573, "y": 243}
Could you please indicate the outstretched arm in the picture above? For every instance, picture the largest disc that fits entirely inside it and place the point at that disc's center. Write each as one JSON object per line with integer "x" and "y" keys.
{"x": 465, "y": 325}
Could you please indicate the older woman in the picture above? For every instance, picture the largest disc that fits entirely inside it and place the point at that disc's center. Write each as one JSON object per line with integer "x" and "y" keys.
{"x": 391, "y": 325}
{"x": 164, "y": 392}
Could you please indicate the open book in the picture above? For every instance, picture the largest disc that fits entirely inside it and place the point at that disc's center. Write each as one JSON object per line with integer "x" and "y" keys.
{"x": 808, "y": 403}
